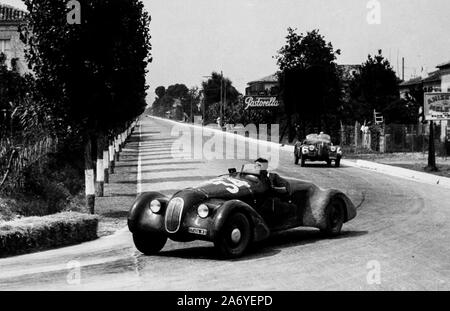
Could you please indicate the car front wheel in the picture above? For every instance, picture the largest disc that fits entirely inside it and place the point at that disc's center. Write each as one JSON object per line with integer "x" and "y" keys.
{"x": 296, "y": 159}
{"x": 149, "y": 243}
{"x": 303, "y": 162}
{"x": 335, "y": 217}
{"x": 235, "y": 236}
{"x": 337, "y": 163}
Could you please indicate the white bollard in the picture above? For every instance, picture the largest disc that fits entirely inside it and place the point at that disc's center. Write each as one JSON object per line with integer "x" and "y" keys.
{"x": 106, "y": 165}
{"x": 111, "y": 158}
{"x": 100, "y": 177}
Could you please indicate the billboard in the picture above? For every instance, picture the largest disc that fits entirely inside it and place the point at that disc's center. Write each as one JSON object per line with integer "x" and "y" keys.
{"x": 437, "y": 106}
{"x": 260, "y": 102}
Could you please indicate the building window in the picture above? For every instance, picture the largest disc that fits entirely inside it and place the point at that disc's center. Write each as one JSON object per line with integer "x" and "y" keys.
{"x": 5, "y": 45}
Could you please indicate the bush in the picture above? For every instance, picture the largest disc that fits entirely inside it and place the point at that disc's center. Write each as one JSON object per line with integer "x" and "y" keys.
{"x": 40, "y": 233}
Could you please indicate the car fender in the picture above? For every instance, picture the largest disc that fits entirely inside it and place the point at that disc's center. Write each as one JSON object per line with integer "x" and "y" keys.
{"x": 140, "y": 218}
{"x": 315, "y": 209}
{"x": 260, "y": 229}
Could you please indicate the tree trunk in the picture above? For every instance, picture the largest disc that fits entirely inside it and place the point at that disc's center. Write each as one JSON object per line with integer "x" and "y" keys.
{"x": 89, "y": 176}
{"x": 117, "y": 149}
{"x": 106, "y": 162}
{"x": 100, "y": 170}
{"x": 111, "y": 157}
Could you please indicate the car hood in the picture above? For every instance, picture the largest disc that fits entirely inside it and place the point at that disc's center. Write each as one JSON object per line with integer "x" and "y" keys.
{"x": 228, "y": 187}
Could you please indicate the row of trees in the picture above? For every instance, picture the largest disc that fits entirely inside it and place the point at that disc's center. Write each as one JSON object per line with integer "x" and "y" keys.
{"x": 88, "y": 82}
{"x": 314, "y": 93}
{"x": 178, "y": 101}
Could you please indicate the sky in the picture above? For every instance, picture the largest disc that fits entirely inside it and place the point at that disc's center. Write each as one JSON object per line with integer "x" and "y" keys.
{"x": 192, "y": 38}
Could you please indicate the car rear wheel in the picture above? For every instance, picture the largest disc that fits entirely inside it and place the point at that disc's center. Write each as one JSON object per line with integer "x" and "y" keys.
{"x": 149, "y": 243}
{"x": 235, "y": 236}
{"x": 335, "y": 217}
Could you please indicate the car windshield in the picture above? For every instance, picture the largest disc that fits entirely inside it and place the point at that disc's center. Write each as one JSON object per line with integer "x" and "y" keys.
{"x": 317, "y": 138}
{"x": 253, "y": 168}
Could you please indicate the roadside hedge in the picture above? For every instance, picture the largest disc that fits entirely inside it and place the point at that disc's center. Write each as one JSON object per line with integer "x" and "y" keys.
{"x": 39, "y": 233}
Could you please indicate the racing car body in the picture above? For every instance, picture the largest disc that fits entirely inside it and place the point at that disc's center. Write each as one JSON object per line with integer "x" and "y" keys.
{"x": 317, "y": 148}
{"x": 233, "y": 211}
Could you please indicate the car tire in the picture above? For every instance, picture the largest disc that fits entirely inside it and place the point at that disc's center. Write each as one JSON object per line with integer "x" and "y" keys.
{"x": 234, "y": 237}
{"x": 335, "y": 217}
{"x": 296, "y": 160}
{"x": 149, "y": 243}
{"x": 303, "y": 160}
{"x": 328, "y": 163}
{"x": 337, "y": 163}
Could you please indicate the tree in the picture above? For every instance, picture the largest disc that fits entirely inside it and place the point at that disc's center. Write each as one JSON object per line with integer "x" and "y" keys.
{"x": 309, "y": 82}
{"x": 91, "y": 75}
{"x": 215, "y": 90}
{"x": 376, "y": 88}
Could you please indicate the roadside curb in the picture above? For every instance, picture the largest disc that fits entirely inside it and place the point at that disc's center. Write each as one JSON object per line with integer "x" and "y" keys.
{"x": 400, "y": 172}
{"x": 361, "y": 164}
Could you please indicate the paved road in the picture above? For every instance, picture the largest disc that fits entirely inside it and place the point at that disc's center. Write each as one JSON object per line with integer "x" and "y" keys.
{"x": 402, "y": 231}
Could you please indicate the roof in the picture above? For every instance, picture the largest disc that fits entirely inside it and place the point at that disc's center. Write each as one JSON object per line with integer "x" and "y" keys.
{"x": 269, "y": 79}
{"x": 446, "y": 64}
{"x": 433, "y": 77}
{"x": 11, "y": 14}
{"x": 413, "y": 81}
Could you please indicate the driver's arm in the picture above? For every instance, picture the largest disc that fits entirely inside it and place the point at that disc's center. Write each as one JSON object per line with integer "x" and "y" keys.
{"x": 279, "y": 183}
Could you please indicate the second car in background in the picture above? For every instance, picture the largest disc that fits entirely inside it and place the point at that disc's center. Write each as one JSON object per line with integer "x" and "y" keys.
{"x": 317, "y": 147}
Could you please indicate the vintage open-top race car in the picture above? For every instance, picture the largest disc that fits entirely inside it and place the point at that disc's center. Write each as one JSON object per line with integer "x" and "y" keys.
{"x": 317, "y": 147}
{"x": 235, "y": 210}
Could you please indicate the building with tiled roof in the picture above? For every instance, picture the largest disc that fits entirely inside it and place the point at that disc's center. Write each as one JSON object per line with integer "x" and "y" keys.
{"x": 10, "y": 44}
{"x": 265, "y": 86}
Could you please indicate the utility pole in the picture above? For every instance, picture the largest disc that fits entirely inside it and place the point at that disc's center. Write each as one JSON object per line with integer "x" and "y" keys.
{"x": 221, "y": 99}
{"x": 191, "y": 116}
{"x": 225, "y": 98}
{"x": 403, "y": 69}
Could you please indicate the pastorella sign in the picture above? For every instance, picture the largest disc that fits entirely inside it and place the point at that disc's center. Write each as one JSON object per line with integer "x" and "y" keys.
{"x": 260, "y": 102}
{"x": 437, "y": 106}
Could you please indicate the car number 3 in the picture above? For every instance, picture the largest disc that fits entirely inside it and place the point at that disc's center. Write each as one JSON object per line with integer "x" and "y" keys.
{"x": 232, "y": 185}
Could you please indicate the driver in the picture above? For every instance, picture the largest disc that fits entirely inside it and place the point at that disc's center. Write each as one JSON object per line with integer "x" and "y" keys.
{"x": 276, "y": 182}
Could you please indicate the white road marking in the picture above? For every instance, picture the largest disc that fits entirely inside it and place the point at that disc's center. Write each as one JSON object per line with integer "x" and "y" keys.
{"x": 139, "y": 166}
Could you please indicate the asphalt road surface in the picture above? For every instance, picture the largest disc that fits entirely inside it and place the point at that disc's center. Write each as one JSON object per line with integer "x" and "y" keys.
{"x": 399, "y": 240}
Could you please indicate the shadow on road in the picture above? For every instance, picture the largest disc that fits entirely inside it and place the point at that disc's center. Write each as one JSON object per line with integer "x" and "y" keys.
{"x": 324, "y": 165}
{"x": 270, "y": 247}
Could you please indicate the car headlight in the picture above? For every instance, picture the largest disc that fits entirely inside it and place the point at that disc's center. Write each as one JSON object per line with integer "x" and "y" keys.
{"x": 155, "y": 206}
{"x": 203, "y": 211}
{"x": 333, "y": 149}
{"x": 311, "y": 148}
{"x": 339, "y": 150}
{"x": 305, "y": 149}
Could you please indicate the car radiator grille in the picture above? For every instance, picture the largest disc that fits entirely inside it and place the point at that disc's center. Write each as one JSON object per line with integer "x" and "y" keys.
{"x": 174, "y": 212}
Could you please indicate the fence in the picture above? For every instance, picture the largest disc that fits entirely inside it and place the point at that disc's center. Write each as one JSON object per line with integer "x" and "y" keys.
{"x": 15, "y": 157}
{"x": 391, "y": 138}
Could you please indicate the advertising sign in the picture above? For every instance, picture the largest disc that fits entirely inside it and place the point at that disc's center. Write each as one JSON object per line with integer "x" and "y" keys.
{"x": 260, "y": 102}
{"x": 437, "y": 106}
